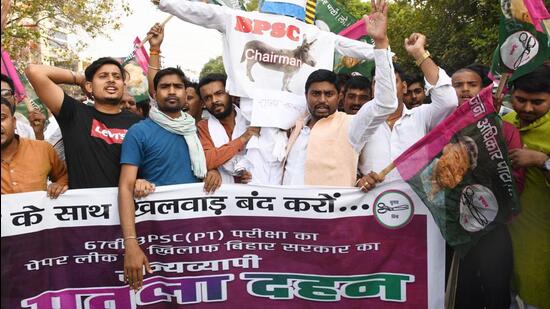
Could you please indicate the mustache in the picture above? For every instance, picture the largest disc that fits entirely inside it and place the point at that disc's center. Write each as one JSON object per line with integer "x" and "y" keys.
{"x": 172, "y": 97}
{"x": 216, "y": 105}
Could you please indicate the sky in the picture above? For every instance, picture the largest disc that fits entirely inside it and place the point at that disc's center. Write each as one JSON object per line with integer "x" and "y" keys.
{"x": 185, "y": 44}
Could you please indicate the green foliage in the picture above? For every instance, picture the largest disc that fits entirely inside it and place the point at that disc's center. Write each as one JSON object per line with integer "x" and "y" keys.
{"x": 251, "y": 5}
{"x": 214, "y": 65}
{"x": 30, "y": 20}
{"x": 459, "y": 32}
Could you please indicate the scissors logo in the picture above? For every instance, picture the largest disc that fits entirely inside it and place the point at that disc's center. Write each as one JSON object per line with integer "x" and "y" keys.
{"x": 382, "y": 208}
{"x": 393, "y": 209}
{"x": 518, "y": 49}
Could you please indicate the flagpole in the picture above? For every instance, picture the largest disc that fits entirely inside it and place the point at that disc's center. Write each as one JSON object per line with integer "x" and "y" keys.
{"x": 452, "y": 283}
{"x": 147, "y": 38}
{"x": 150, "y": 35}
{"x": 502, "y": 83}
{"x": 387, "y": 170}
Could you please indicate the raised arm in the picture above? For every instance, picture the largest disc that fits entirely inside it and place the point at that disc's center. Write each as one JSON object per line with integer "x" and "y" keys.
{"x": 198, "y": 13}
{"x": 353, "y": 48}
{"x": 438, "y": 83}
{"x": 157, "y": 35}
{"x": 45, "y": 81}
{"x": 384, "y": 103}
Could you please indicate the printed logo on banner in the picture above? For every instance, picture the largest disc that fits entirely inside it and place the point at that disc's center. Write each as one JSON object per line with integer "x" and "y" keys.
{"x": 288, "y": 61}
{"x": 393, "y": 209}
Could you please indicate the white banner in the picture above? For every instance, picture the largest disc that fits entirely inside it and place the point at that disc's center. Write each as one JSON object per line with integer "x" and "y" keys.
{"x": 393, "y": 213}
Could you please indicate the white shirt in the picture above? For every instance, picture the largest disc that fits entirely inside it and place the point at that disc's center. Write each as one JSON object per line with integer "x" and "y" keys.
{"x": 216, "y": 16}
{"x": 52, "y": 135}
{"x": 385, "y": 145}
{"x": 363, "y": 124}
{"x": 22, "y": 127}
{"x": 235, "y": 41}
{"x": 296, "y": 162}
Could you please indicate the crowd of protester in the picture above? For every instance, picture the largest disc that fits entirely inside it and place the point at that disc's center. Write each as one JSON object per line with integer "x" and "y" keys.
{"x": 356, "y": 126}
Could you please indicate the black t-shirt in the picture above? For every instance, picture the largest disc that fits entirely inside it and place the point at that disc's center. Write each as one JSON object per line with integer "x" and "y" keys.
{"x": 93, "y": 141}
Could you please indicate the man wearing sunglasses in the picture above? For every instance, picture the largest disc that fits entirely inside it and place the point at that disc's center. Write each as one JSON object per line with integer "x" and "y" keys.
{"x": 24, "y": 128}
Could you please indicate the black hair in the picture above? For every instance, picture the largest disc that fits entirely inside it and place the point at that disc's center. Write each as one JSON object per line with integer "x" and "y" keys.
{"x": 342, "y": 79}
{"x": 358, "y": 82}
{"x": 214, "y": 77}
{"x": 145, "y": 106}
{"x": 192, "y": 84}
{"x": 536, "y": 81}
{"x": 8, "y": 80}
{"x": 479, "y": 69}
{"x": 210, "y": 78}
{"x": 414, "y": 78}
{"x": 195, "y": 87}
{"x": 94, "y": 67}
{"x": 9, "y": 105}
{"x": 322, "y": 75}
{"x": 169, "y": 71}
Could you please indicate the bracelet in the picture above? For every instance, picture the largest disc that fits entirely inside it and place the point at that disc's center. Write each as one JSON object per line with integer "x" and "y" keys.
{"x": 425, "y": 56}
{"x": 154, "y": 51}
{"x": 74, "y": 77}
{"x": 152, "y": 67}
{"x": 130, "y": 237}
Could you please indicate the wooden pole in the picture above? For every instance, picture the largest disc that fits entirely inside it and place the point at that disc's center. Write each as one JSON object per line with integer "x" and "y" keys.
{"x": 502, "y": 83}
{"x": 150, "y": 36}
{"x": 452, "y": 283}
{"x": 387, "y": 170}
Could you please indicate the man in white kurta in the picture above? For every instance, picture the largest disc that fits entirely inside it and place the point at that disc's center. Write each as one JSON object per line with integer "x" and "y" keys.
{"x": 407, "y": 126}
{"x": 265, "y": 153}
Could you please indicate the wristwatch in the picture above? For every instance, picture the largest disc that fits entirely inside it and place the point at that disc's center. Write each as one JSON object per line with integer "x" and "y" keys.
{"x": 425, "y": 56}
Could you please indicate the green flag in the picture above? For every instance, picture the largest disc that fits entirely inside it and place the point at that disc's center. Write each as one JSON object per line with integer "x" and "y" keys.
{"x": 520, "y": 49}
{"x": 331, "y": 16}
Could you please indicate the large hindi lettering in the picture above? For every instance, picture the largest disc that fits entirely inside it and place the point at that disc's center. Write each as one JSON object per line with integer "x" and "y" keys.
{"x": 244, "y": 246}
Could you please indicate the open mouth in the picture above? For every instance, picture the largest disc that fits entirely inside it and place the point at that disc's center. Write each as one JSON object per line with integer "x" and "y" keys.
{"x": 321, "y": 108}
{"x": 111, "y": 89}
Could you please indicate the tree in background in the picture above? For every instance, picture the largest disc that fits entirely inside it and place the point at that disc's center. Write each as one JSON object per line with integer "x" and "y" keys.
{"x": 214, "y": 65}
{"x": 459, "y": 32}
{"x": 29, "y": 21}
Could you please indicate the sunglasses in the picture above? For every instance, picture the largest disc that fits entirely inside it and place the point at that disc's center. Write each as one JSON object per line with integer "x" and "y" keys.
{"x": 6, "y": 93}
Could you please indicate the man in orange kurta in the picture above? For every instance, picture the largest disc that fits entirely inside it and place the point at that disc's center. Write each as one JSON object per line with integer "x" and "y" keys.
{"x": 27, "y": 164}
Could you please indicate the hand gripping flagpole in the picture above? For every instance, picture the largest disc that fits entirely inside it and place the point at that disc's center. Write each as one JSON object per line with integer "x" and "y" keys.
{"x": 150, "y": 36}
{"x": 147, "y": 38}
{"x": 452, "y": 282}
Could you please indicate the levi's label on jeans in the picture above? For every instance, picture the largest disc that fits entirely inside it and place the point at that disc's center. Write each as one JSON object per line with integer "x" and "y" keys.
{"x": 109, "y": 135}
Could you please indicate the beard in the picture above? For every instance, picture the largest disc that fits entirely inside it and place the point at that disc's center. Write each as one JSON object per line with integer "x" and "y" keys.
{"x": 108, "y": 100}
{"x": 226, "y": 112}
{"x": 112, "y": 101}
{"x": 170, "y": 109}
{"x": 7, "y": 142}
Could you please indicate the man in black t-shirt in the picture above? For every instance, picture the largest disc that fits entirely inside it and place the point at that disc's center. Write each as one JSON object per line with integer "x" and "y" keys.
{"x": 92, "y": 135}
